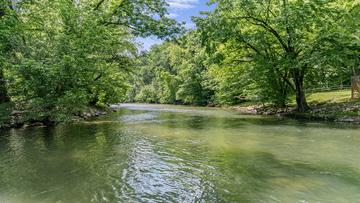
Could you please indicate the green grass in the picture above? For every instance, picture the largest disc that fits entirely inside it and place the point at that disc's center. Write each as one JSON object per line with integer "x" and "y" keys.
{"x": 338, "y": 96}
{"x": 328, "y": 97}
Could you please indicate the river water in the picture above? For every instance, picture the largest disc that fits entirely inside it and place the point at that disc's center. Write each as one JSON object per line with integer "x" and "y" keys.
{"x": 161, "y": 153}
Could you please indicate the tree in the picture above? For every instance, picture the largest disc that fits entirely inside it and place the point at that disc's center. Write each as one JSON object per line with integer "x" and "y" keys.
{"x": 156, "y": 78}
{"x": 60, "y": 57}
{"x": 192, "y": 69}
{"x": 173, "y": 72}
{"x": 279, "y": 37}
{"x": 8, "y": 23}
{"x": 142, "y": 17}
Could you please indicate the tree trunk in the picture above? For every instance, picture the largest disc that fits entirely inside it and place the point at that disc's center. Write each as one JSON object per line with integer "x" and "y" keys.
{"x": 301, "y": 102}
{"x": 3, "y": 93}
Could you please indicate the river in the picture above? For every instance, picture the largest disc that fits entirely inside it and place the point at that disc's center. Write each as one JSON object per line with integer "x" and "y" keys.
{"x": 163, "y": 153}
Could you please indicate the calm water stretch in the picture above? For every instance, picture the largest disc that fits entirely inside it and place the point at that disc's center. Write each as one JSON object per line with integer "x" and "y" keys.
{"x": 159, "y": 153}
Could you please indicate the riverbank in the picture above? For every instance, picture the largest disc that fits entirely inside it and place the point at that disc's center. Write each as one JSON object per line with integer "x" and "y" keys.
{"x": 333, "y": 106}
{"x": 10, "y": 118}
{"x": 344, "y": 112}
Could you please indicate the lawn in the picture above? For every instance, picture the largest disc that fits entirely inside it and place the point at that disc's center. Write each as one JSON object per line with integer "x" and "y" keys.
{"x": 337, "y": 96}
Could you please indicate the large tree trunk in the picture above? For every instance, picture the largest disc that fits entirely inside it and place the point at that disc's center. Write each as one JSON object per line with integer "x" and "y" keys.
{"x": 301, "y": 102}
{"x": 3, "y": 93}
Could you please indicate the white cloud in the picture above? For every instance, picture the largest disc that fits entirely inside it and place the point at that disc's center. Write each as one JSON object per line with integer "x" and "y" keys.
{"x": 182, "y": 4}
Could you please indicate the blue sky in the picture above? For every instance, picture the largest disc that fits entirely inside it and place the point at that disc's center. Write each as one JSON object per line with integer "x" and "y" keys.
{"x": 180, "y": 10}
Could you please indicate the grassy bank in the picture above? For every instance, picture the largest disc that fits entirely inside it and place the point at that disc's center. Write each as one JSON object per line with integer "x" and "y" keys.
{"x": 329, "y": 106}
{"x": 338, "y": 96}
{"x": 334, "y": 105}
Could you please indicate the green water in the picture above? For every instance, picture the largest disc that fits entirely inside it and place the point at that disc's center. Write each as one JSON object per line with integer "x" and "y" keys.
{"x": 150, "y": 153}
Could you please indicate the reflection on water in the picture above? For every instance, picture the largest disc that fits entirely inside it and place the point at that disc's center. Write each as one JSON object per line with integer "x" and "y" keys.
{"x": 157, "y": 153}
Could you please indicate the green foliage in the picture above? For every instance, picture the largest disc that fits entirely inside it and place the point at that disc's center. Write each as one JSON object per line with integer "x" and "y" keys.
{"x": 60, "y": 57}
{"x": 263, "y": 51}
{"x": 173, "y": 72}
{"x": 66, "y": 66}
{"x": 143, "y": 17}
{"x": 5, "y": 113}
{"x": 281, "y": 45}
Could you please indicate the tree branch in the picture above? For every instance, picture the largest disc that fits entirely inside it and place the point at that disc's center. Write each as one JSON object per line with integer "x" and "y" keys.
{"x": 250, "y": 45}
{"x": 266, "y": 26}
{"x": 98, "y": 5}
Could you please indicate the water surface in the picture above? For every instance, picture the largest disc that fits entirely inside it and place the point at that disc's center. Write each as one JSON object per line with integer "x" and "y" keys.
{"x": 160, "y": 153}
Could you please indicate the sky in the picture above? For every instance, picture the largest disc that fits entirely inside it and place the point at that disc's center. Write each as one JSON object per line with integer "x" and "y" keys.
{"x": 180, "y": 10}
